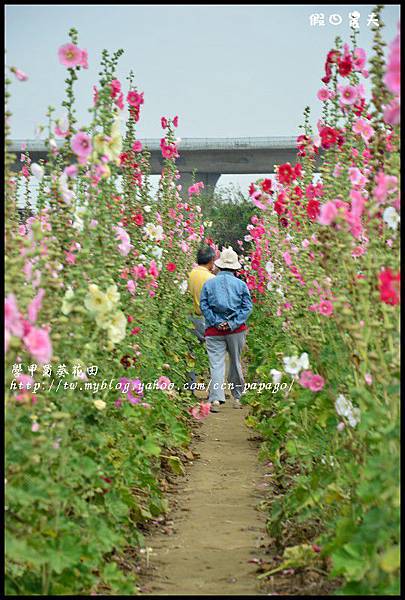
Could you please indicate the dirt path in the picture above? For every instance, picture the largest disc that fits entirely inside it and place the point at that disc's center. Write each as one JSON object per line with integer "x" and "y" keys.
{"x": 216, "y": 527}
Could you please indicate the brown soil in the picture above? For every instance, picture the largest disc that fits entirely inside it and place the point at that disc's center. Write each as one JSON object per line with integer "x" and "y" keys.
{"x": 216, "y": 527}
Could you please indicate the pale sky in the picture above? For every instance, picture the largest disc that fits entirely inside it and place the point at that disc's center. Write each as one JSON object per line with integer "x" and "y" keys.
{"x": 225, "y": 70}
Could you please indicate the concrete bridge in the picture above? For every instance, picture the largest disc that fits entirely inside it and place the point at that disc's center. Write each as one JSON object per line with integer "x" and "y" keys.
{"x": 208, "y": 157}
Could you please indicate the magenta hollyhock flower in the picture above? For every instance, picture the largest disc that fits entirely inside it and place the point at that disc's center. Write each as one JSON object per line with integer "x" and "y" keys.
{"x": 70, "y": 55}
{"x": 137, "y": 146}
{"x": 176, "y": 121}
{"x": 325, "y": 307}
{"x": 81, "y": 146}
{"x": 163, "y": 122}
{"x": 135, "y": 99}
{"x": 35, "y": 306}
{"x": 39, "y": 345}
{"x": 325, "y": 94}
{"x": 20, "y": 75}
{"x": 316, "y": 383}
{"x": 305, "y": 378}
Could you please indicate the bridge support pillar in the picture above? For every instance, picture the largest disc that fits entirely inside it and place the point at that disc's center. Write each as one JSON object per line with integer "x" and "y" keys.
{"x": 209, "y": 180}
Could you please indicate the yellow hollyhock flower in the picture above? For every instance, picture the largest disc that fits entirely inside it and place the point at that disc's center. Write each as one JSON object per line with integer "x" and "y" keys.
{"x": 99, "y": 404}
{"x": 113, "y": 294}
{"x": 96, "y": 301}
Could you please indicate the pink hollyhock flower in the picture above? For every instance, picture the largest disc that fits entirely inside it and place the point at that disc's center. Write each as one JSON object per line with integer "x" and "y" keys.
{"x": 316, "y": 383}
{"x": 26, "y": 381}
{"x": 12, "y": 317}
{"x": 70, "y": 171}
{"x": 358, "y": 202}
{"x": 83, "y": 60}
{"x": 81, "y": 146}
{"x": 348, "y": 94}
{"x": 195, "y": 189}
{"x": 21, "y": 76}
{"x": 201, "y": 411}
{"x": 392, "y": 77}
{"x": 153, "y": 270}
{"x": 35, "y": 427}
{"x": 115, "y": 87}
{"x": 359, "y": 59}
{"x": 358, "y": 251}
{"x": 135, "y": 99}
{"x": 131, "y": 286}
{"x": 35, "y": 306}
{"x": 356, "y": 176}
{"x": 325, "y": 94}
{"x": 137, "y": 146}
{"x": 392, "y": 112}
{"x": 39, "y": 345}
{"x": 386, "y": 184}
{"x": 70, "y": 55}
{"x": 120, "y": 101}
{"x": 176, "y": 121}
{"x": 305, "y": 378}
{"x": 168, "y": 150}
{"x": 287, "y": 259}
{"x": 325, "y": 307}
{"x": 328, "y": 213}
{"x": 163, "y": 122}
{"x": 163, "y": 382}
{"x": 363, "y": 128}
{"x": 93, "y": 223}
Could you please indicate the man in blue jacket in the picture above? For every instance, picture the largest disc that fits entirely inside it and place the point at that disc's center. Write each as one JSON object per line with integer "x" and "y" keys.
{"x": 226, "y": 305}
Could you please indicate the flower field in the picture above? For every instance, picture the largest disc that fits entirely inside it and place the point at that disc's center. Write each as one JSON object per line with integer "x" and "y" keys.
{"x": 96, "y": 291}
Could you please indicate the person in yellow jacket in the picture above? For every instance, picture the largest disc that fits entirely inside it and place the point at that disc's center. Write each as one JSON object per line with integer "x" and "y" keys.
{"x": 197, "y": 277}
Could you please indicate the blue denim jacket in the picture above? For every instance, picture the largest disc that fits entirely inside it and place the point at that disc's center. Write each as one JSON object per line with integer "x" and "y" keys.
{"x": 225, "y": 298}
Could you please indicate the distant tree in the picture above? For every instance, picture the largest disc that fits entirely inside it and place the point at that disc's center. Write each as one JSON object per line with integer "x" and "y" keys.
{"x": 229, "y": 211}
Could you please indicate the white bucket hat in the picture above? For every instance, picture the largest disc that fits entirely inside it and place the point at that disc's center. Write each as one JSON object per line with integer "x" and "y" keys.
{"x": 228, "y": 259}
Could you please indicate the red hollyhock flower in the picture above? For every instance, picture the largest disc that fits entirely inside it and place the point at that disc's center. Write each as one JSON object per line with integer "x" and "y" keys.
{"x": 389, "y": 287}
{"x": 329, "y": 137}
{"x": 298, "y": 191}
{"x": 252, "y": 189}
{"x": 266, "y": 185}
{"x": 279, "y": 207}
{"x": 285, "y": 173}
{"x": 345, "y": 65}
{"x": 297, "y": 171}
{"x": 138, "y": 219}
{"x": 135, "y": 330}
{"x": 313, "y": 209}
{"x": 171, "y": 267}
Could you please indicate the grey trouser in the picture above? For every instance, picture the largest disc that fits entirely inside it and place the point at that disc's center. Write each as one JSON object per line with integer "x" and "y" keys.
{"x": 217, "y": 347}
{"x": 199, "y": 326}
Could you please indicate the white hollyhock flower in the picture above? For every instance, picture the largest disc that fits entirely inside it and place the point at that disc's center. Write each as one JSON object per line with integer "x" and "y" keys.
{"x": 292, "y": 364}
{"x": 154, "y": 232}
{"x": 147, "y": 208}
{"x": 354, "y": 417}
{"x": 183, "y": 286}
{"x": 37, "y": 171}
{"x": 304, "y": 360}
{"x": 269, "y": 267}
{"x": 343, "y": 406}
{"x": 391, "y": 217}
{"x": 276, "y": 375}
{"x": 157, "y": 252}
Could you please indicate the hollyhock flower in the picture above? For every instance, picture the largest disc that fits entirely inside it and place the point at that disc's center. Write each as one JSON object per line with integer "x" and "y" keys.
{"x": 163, "y": 122}
{"x": 176, "y": 121}
{"x": 115, "y": 87}
{"x": 201, "y": 411}
{"x": 358, "y": 251}
{"x": 39, "y": 344}
{"x": 385, "y": 185}
{"x": 359, "y": 59}
{"x": 313, "y": 209}
{"x": 81, "y": 146}
{"x": 363, "y": 128}
{"x": 276, "y": 375}
{"x": 316, "y": 383}
{"x": 100, "y": 404}
{"x": 168, "y": 150}
{"x": 391, "y": 217}
{"x": 35, "y": 306}
{"x": 358, "y": 202}
{"x": 35, "y": 427}
{"x": 293, "y": 365}
{"x": 285, "y": 173}
{"x": 131, "y": 286}
{"x": 70, "y": 55}
{"x": 37, "y": 171}
{"x": 171, "y": 267}
{"x": 266, "y": 185}
{"x": 348, "y": 94}
{"x": 305, "y": 378}
{"x": 138, "y": 219}
{"x": 163, "y": 382}
{"x": 368, "y": 378}
{"x": 70, "y": 171}
{"x": 84, "y": 59}
{"x": 325, "y": 94}
{"x": 195, "y": 189}
{"x": 20, "y": 75}
{"x": 329, "y": 137}
{"x": 392, "y": 78}
{"x": 328, "y": 213}
{"x": 137, "y": 146}
{"x": 12, "y": 317}
{"x": 389, "y": 287}
{"x": 135, "y": 99}
{"x": 345, "y": 65}
{"x": 392, "y": 112}
{"x": 325, "y": 307}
